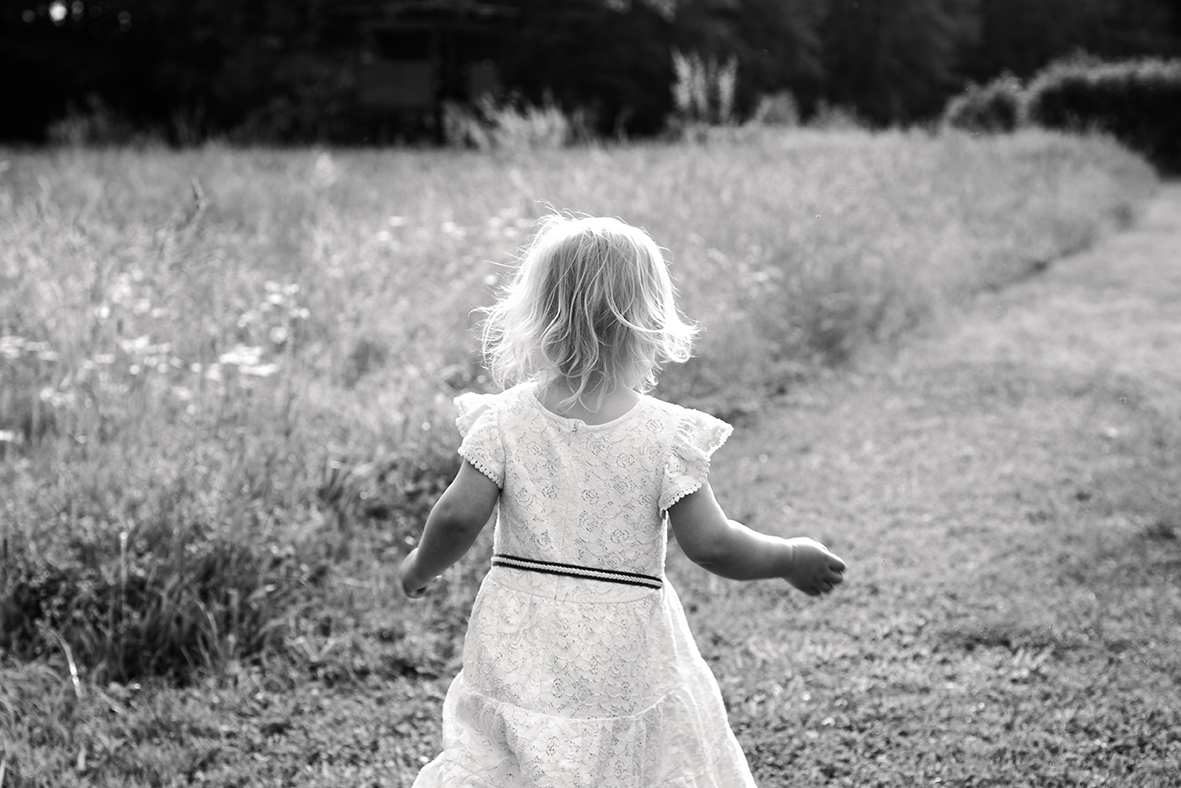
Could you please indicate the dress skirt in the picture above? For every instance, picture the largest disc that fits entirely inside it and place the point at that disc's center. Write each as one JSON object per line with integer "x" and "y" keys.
{"x": 577, "y": 683}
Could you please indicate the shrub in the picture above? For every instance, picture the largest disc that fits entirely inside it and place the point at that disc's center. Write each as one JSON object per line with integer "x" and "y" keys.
{"x": 96, "y": 125}
{"x": 1138, "y": 102}
{"x": 836, "y": 117}
{"x": 990, "y": 108}
{"x": 511, "y": 125}
{"x": 777, "y": 109}
{"x": 704, "y": 90}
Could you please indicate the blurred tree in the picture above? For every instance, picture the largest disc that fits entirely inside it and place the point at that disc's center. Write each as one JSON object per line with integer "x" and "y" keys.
{"x": 1023, "y": 36}
{"x": 57, "y": 54}
{"x": 282, "y": 68}
{"x": 895, "y": 60}
{"x": 777, "y": 43}
{"x": 610, "y": 60}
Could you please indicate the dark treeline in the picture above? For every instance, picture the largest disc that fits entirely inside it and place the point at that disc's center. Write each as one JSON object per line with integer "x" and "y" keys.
{"x": 286, "y": 70}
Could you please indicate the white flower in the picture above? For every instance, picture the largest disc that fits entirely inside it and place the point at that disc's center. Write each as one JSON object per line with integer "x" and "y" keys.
{"x": 260, "y": 370}
{"x": 137, "y": 346}
{"x": 10, "y": 346}
{"x": 242, "y": 355}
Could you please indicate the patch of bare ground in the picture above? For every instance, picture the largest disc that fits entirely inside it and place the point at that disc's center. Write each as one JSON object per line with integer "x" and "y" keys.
{"x": 1006, "y": 489}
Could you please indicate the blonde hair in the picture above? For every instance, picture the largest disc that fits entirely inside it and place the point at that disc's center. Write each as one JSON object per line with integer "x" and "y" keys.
{"x": 592, "y": 305}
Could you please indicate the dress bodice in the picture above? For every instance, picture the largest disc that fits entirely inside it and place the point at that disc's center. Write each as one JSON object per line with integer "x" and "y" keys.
{"x": 592, "y": 495}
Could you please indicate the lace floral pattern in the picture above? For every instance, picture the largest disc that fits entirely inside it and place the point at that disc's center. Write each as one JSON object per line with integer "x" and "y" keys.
{"x": 573, "y": 682}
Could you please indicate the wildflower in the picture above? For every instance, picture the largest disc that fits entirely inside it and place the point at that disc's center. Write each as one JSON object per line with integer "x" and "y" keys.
{"x": 259, "y": 370}
{"x": 242, "y": 356}
{"x": 11, "y": 346}
{"x": 137, "y": 346}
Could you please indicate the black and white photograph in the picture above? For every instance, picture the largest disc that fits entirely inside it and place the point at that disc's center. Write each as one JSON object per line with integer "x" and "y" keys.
{"x": 590, "y": 393}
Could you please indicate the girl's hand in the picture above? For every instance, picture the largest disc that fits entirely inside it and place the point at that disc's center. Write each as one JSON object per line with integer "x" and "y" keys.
{"x": 412, "y": 586}
{"x": 814, "y": 569}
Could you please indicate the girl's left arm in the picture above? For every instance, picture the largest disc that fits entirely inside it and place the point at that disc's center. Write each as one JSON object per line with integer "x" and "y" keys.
{"x": 452, "y": 526}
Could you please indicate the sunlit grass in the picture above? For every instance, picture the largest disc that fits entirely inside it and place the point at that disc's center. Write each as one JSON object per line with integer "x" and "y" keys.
{"x": 218, "y": 368}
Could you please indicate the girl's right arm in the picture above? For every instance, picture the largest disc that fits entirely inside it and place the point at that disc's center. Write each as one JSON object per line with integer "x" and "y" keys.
{"x": 730, "y": 549}
{"x": 452, "y": 526}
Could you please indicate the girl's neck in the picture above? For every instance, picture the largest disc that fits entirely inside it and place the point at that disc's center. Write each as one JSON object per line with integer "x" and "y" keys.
{"x": 592, "y": 407}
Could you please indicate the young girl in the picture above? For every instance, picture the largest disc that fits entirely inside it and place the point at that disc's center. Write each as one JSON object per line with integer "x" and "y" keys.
{"x": 579, "y": 669}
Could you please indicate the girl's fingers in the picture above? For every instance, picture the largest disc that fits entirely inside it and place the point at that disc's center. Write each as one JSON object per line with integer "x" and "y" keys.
{"x": 416, "y": 593}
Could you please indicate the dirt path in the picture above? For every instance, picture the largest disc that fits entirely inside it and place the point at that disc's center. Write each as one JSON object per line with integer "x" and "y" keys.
{"x": 1007, "y": 491}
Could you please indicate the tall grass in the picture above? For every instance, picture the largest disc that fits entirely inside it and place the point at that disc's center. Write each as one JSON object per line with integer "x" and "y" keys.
{"x": 218, "y": 366}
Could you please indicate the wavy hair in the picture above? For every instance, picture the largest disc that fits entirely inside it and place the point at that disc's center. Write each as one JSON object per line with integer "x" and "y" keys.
{"x": 591, "y": 305}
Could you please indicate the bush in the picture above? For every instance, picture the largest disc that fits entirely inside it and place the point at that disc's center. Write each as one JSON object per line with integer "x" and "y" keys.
{"x": 836, "y": 117}
{"x": 512, "y": 124}
{"x": 777, "y": 109}
{"x": 1138, "y": 102}
{"x": 96, "y": 125}
{"x": 992, "y": 108}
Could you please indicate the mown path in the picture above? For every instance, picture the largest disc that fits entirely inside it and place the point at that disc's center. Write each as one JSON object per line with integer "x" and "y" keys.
{"x": 1007, "y": 491}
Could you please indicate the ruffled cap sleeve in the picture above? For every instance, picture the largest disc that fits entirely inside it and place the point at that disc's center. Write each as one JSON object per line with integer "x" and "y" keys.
{"x": 478, "y": 424}
{"x": 697, "y": 437}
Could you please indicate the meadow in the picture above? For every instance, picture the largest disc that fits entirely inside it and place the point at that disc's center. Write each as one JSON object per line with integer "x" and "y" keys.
{"x": 226, "y": 376}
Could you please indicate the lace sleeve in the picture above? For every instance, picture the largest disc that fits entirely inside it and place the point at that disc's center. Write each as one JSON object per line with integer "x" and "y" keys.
{"x": 698, "y": 436}
{"x": 478, "y": 424}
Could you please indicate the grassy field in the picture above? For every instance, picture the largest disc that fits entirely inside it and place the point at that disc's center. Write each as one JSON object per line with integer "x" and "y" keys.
{"x": 225, "y": 382}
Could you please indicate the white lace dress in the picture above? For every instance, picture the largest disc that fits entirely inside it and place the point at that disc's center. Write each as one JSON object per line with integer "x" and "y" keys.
{"x": 577, "y": 681}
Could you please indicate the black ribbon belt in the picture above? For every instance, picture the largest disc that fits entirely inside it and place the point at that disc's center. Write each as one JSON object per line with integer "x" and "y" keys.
{"x": 572, "y": 570}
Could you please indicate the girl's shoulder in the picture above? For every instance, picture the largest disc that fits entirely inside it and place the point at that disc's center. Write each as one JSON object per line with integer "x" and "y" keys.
{"x": 471, "y": 405}
{"x": 684, "y": 418}
{"x": 672, "y": 408}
